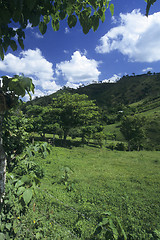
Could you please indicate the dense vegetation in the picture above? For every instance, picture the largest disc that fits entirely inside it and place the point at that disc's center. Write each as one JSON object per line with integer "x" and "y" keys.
{"x": 131, "y": 95}
{"x": 86, "y": 183}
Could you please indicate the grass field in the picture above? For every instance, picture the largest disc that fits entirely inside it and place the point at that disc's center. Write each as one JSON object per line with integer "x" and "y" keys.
{"x": 80, "y": 184}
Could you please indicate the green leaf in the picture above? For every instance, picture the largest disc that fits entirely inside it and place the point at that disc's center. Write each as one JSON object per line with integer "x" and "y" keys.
{"x": 55, "y": 25}
{"x": 27, "y": 196}
{"x": 1, "y": 52}
{"x": 72, "y": 20}
{"x": 20, "y": 190}
{"x": 8, "y": 226}
{"x": 149, "y": 3}
{"x": 20, "y": 41}
{"x": 5, "y": 45}
{"x": 13, "y": 45}
{"x": 2, "y": 236}
{"x": 111, "y": 8}
{"x": 108, "y": 1}
{"x": 62, "y": 15}
{"x": 19, "y": 183}
{"x": 15, "y": 86}
{"x": 46, "y": 19}
{"x": 42, "y": 27}
{"x": 16, "y": 15}
{"x": 34, "y": 19}
{"x": 30, "y": 4}
{"x": 95, "y": 23}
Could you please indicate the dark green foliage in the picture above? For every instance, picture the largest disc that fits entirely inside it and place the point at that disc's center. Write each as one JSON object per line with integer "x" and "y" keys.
{"x": 66, "y": 112}
{"x": 112, "y": 97}
{"x": 21, "y": 187}
{"x": 14, "y": 135}
{"x": 133, "y": 131}
{"x": 39, "y": 13}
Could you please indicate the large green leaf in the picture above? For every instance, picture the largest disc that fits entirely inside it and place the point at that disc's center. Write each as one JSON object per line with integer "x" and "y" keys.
{"x": 1, "y": 52}
{"x": 95, "y": 22}
{"x": 27, "y": 196}
{"x": 20, "y": 84}
{"x": 20, "y": 190}
{"x": 72, "y": 20}
{"x": 43, "y": 27}
{"x": 19, "y": 183}
{"x": 111, "y": 8}
{"x": 13, "y": 45}
{"x": 2, "y": 236}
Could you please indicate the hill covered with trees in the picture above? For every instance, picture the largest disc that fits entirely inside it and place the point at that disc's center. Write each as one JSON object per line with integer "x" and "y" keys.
{"x": 129, "y": 89}
{"x": 137, "y": 95}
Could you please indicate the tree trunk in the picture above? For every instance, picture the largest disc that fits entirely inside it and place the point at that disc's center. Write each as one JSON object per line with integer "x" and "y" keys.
{"x": 3, "y": 164}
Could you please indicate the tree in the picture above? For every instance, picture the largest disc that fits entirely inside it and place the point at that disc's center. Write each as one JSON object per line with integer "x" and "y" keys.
{"x": 132, "y": 129}
{"x": 71, "y": 111}
{"x": 10, "y": 90}
{"x": 16, "y": 14}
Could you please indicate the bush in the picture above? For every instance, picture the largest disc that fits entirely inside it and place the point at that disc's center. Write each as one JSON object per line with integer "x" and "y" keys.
{"x": 99, "y": 138}
{"x": 120, "y": 147}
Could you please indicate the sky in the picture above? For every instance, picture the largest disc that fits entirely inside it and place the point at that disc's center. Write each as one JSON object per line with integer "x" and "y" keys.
{"x": 127, "y": 43}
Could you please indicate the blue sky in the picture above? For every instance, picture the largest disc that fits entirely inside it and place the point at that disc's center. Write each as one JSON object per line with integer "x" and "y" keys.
{"x": 124, "y": 44}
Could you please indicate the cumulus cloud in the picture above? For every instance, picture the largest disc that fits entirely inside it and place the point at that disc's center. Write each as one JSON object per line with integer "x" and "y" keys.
{"x": 32, "y": 64}
{"x": 113, "y": 79}
{"x": 136, "y": 36}
{"x": 79, "y": 70}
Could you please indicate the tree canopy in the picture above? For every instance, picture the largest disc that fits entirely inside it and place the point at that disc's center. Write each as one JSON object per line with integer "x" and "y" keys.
{"x": 15, "y": 15}
{"x": 67, "y": 111}
{"x": 133, "y": 131}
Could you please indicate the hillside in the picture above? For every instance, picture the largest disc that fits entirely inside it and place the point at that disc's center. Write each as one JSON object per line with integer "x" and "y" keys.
{"x": 129, "y": 89}
{"x": 138, "y": 95}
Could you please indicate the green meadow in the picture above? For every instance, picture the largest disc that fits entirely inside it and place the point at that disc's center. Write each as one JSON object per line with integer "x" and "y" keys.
{"x": 81, "y": 185}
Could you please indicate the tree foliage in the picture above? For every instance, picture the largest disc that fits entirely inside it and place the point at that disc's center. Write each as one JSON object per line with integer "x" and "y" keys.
{"x": 132, "y": 129}
{"x": 12, "y": 88}
{"x": 15, "y": 15}
{"x": 74, "y": 111}
{"x": 67, "y": 111}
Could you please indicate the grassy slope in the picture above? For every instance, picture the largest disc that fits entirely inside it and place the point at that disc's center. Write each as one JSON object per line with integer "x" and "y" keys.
{"x": 125, "y": 183}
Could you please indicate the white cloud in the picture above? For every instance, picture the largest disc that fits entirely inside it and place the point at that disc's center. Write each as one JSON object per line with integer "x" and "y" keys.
{"x": 66, "y": 51}
{"x": 79, "y": 70}
{"x": 113, "y": 79}
{"x": 67, "y": 30}
{"x": 147, "y": 69}
{"x": 136, "y": 36}
{"x": 32, "y": 64}
{"x": 29, "y": 25}
{"x": 37, "y": 35}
